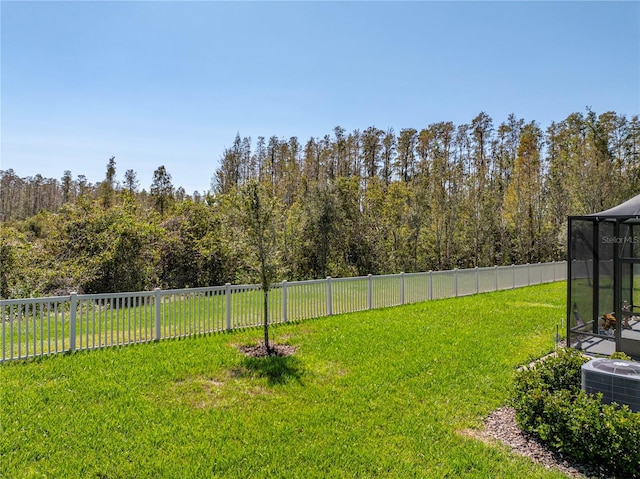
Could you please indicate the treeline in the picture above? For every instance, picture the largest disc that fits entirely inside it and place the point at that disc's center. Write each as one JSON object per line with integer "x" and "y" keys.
{"x": 21, "y": 198}
{"x": 372, "y": 201}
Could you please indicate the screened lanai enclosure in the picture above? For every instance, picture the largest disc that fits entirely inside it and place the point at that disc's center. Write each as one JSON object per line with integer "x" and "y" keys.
{"x": 603, "y": 295}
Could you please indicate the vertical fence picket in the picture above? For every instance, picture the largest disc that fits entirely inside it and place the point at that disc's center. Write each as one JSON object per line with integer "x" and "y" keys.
{"x": 72, "y": 321}
{"x": 110, "y": 303}
{"x": 49, "y": 327}
{"x": 12, "y": 315}
{"x": 284, "y": 301}
{"x": 4, "y": 320}
{"x": 41, "y": 323}
{"x": 227, "y": 294}
{"x": 156, "y": 293}
{"x": 455, "y": 282}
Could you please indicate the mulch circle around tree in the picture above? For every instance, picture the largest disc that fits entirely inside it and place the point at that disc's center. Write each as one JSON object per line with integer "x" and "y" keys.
{"x": 260, "y": 350}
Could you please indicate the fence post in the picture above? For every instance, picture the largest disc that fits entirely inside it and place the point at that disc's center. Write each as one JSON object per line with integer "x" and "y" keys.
{"x": 528, "y": 274}
{"x": 156, "y": 295}
{"x": 430, "y": 293}
{"x": 284, "y": 300}
{"x": 455, "y": 282}
{"x": 369, "y": 292}
{"x": 73, "y": 299}
{"x": 495, "y": 270}
{"x": 402, "y": 288}
{"x": 477, "y": 280}
{"x": 227, "y": 295}
{"x": 553, "y": 266}
{"x": 329, "y": 298}
{"x": 513, "y": 276}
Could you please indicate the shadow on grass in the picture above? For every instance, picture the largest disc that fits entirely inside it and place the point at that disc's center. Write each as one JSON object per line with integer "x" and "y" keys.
{"x": 277, "y": 369}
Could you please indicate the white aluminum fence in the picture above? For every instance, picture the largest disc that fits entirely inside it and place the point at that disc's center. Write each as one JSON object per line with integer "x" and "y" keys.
{"x": 41, "y": 326}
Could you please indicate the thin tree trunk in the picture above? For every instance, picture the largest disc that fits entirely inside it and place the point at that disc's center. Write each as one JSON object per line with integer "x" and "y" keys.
{"x": 266, "y": 322}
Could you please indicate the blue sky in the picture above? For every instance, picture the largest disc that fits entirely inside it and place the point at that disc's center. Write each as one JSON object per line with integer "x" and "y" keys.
{"x": 171, "y": 83}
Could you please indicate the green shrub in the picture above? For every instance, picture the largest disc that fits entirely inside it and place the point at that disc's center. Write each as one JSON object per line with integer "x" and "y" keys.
{"x": 550, "y": 403}
{"x": 620, "y": 355}
{"x": 534, "y": 384}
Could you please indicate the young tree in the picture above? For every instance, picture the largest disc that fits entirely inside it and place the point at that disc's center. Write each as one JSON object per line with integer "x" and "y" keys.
{"x": 258, "y": 214}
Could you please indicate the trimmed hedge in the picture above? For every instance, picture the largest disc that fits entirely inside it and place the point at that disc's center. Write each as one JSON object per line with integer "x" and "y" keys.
{"x": 550, "y": 404}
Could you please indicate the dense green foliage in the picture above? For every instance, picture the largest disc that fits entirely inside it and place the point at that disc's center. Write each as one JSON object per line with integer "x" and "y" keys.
{"x": 383, "y": 393}
{"x": 365, "y": 202}
{"x": 550, "y": 403}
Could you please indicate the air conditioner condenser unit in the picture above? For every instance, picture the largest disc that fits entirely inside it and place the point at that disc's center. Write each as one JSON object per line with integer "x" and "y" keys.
{"x": 617, "y": 380}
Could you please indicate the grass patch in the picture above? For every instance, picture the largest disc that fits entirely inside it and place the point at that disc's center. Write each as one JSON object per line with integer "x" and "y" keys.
{"x": 380, "y": 393}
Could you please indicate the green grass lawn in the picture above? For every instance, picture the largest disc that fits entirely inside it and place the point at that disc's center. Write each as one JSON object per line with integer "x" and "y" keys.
{"x": 380, "y": 393}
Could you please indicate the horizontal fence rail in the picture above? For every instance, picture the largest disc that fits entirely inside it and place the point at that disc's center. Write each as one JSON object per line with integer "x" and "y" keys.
{"x": 41, "y": 326}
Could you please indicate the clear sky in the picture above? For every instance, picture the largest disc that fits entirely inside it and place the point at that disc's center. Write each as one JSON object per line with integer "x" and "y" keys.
{"x": 171, "y": 83}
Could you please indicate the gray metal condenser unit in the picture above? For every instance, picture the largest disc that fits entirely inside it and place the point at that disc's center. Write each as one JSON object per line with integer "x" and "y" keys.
{"x": 617, "y": 380}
